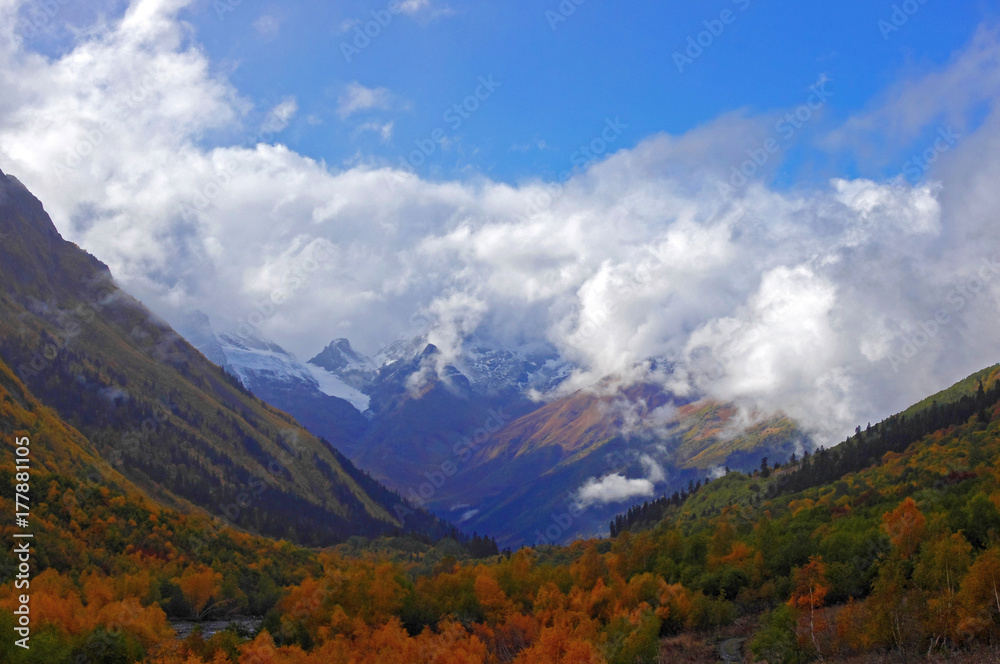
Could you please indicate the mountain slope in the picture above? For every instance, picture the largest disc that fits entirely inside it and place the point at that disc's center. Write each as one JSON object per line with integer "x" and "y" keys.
{"x": 55, "y": 446}
{"x": 943, "y": 440}
{"x": 965, "y": 387}
{"x": 277, "y": 377}
{"x": 166, "y": 417}
{"x": 567, "y": 467}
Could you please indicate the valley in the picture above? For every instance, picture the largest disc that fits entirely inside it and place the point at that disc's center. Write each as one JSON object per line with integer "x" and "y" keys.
{"x": 678, "y": 345}
{"x": 473, "y": 446}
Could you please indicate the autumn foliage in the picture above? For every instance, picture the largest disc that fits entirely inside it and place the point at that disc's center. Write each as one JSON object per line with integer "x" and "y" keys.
{"x": 902, "y": 556}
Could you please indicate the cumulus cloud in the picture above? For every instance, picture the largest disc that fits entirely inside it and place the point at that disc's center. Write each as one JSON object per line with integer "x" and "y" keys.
{"x": 820, "y": 302}
{"x": 616, "y": 487}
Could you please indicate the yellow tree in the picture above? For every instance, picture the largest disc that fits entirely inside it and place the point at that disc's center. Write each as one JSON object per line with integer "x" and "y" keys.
{"x": 199, "y": 585}
{"x": 980, "y": 593}
{"x": 589, "y": 569}
{"x": 490, "y": 595}
{"x": 940, "y": 567}
{"x": 811, "y": 587}
{"x": 259, "y": 651}
{"x": 906, "y": 527}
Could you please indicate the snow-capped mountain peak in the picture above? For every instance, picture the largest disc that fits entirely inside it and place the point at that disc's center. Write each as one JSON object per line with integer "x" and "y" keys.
{"x": 339, "y": 355}
{"x": 341, "y": 360}
{"x": 263, "y": 366}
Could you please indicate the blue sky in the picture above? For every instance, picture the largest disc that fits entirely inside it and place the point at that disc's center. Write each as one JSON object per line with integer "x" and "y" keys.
{"x": 558, "y": 86}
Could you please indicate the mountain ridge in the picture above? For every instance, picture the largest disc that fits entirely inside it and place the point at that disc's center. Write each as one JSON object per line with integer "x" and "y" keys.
{"x": 535, "y": 456}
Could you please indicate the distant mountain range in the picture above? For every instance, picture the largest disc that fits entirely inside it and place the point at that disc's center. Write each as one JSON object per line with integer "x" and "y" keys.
{"x": 472, "y": 441}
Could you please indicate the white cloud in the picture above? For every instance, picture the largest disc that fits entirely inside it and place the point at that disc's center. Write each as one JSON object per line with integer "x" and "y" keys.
{"x": 946, "y": 96}
{"x": 804, "y": 300}
{"x": 654, "y": 471}
{"x": 424, "y": 11}
{"x": 612, "y": 489}
{"x": 412, "y": 7}
{"x": 616, "y": 488}
{"x": 534, "y": 144}
{"x": 384, "y": 130}
{"x": 282, "y": 114}
{"x": 357, "y": 98}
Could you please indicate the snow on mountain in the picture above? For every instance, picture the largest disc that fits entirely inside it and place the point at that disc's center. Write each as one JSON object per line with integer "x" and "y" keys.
{"x": 496, "y": 369}
{"x": 334, "y": 386}
{"x": 263, "y": 366}
{"x": 339, "y": 359}
{"x": 403, "y": 349}
{"x": 488, "y": 367}
{"x": 253, "y": 359}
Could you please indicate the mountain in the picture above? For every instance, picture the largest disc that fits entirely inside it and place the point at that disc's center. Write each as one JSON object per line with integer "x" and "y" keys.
{"x": 569, "y": 466}
{"x": 321, "y": 401}
{"x": 898, "y": 527}
{"x": 489, "y": 368}
{"x": 419, "y": 410}
{"x": 887, "y": 545}
{"x": 163, "y": 415}
{"x": 407, "y": 404}
{"x": 342, "y": 361}
{"x": 468, "y": 439}
{"x": 924, "y": 435}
